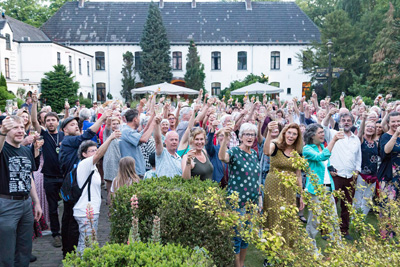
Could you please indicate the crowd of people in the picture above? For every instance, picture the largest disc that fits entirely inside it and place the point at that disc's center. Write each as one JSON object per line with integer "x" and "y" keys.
{"x": 240, "y": 146}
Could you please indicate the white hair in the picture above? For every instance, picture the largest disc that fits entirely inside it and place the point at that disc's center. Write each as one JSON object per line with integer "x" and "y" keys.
{"x": 164, "y": 120}
{"x": 184, "y": 111}
{"x": 223, "y": 118}
{"x": 247, "y": 127}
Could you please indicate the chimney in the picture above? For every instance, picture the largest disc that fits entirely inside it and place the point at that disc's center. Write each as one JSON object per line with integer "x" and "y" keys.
{"x": 193, "y": 3}
{"x": 161, "y": 5}
{"x": 248, "y": 5}
{"x": 81, "y": 3}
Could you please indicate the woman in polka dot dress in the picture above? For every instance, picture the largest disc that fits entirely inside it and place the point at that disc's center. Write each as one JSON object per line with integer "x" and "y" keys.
{"x": 244, "y": 170}
{"x": 280, "y": 152}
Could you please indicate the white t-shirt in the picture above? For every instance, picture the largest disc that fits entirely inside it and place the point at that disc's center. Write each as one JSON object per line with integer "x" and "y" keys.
{"x": 85, "y": 167}
{"x": 327, "y": 180}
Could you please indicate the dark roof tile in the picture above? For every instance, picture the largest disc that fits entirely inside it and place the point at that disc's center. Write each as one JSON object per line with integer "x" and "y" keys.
{"x": 209, "y": 22}
{"x": 22, "y": 30}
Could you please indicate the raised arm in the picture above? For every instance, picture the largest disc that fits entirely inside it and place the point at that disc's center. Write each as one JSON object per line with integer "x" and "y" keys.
{"x": 269, "y": 147}
{"x": 7, "y": 125}
{"x": 222, "y": 155}
{"x": 103, "y": 148}
{"x": 157, "y": 136}
{"x": 389, "y": 145}
{"x": 96, "y": 126}
{"x": 362, "y": 126}
{"x": 183, "y": 144}
{"x": 34, "y": 119}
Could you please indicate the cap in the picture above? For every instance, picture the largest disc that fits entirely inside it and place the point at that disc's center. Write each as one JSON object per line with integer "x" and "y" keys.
{"x": 68, "y": 120}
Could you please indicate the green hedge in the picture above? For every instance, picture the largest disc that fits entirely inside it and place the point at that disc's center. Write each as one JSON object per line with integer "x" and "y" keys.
{"x": 139, "y": 254}
{"x": 173, "y": 200}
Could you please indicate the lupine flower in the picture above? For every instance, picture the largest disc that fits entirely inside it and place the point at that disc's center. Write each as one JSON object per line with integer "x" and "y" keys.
{"x": 89, "y": 212}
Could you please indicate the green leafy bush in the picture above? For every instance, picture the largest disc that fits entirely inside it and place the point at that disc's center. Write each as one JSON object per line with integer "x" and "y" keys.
{"x": 173, "y": 201}
{"x": 139, "y": 254}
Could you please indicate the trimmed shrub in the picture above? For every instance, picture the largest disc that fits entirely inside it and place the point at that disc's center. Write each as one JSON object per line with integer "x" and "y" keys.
{"x": 139, "y": 254}
{"x": 173, "y": 200}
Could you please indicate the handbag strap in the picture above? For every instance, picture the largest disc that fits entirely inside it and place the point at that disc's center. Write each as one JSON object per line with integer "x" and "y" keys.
{"x": 88, "y": 182}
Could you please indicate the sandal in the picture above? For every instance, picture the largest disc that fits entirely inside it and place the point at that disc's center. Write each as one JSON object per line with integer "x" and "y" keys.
{"x": 304, "y": 220}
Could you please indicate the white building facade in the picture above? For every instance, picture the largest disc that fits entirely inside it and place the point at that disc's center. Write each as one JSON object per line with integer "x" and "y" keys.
{"x": 222, "y": 65}
{"x": 26, "y": 54}
{"x": 233, "y": 40}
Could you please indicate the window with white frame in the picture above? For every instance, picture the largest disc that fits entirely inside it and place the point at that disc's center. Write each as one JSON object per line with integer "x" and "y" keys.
{"x": 137, "y": 61}
{"x": 215, "y": 60}
{"x": 7, "y": 68}
{"x": 216, "y": 88}
{"x": 101, "y": 92}
{"x": 100, "y": 60}
{"x": 8, "y": 41}
{"x": 80, "y": 66}
{"x": 58, "y": 58}
{"x": 275, "y": 60}
{"x": 242, "y": 60}
{"x": 70, "y": 62}
{"x": 177, "y": 60}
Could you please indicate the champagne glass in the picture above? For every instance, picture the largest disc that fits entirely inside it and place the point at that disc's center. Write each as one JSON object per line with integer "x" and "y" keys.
{"x": 15, "y": 103}
{"x": 32, "y": 130}
{"x": 9, "y": 106}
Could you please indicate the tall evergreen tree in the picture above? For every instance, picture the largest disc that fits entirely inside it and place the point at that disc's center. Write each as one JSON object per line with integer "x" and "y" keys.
{"x": 384, "y": 74}
{"x": 128, "y": 80}
{"x": 194, "y": 76}
{"x": 58, "y": 85}
{"x": 155, "y": 58}
{"x": 3, "y": 81}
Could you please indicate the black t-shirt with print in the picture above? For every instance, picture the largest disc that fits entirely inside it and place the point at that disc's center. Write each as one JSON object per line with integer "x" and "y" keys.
{"x": 17, "y": 165}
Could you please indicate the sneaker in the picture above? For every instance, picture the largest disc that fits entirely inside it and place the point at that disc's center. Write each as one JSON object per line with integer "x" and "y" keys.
{"x": 57, "y": 241}
{"x": 33, "y": 258}
{"x": 348, "y": 237}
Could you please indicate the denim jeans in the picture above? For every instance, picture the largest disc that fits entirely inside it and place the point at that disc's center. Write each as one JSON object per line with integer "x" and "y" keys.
{"x": 16, "y": 229}
{"x": 85, "y": 230}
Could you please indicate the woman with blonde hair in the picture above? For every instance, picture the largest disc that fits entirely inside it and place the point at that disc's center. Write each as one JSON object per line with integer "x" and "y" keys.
{"x": 196, "y": 161}
{"x": 126, "y": 174}
{"x": 280, "y": 151}
{"x": 26, "y": 117}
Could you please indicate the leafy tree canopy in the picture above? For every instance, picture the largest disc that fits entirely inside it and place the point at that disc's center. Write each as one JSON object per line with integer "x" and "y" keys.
{"x": 58, "y": 85}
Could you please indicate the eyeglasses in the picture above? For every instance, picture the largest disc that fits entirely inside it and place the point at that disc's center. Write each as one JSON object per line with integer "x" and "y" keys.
{"x": 171, "y": 119}
{"x": 92, "y": 150}
{"x": 249, "y": 134}
{"x": 370, "y": 126}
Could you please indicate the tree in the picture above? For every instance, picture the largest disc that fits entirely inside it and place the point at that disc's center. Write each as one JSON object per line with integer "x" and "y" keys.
{"x": 128, "y": 80}
{"x": 3, "y": 81}
{"x": 194, "y": 76}
{"x": 33, "y": 12}
{"x": 249, "y": 79}
{"x": 155, "y": 57}
{"x": 58, "y": 85}
{"x": 384, "y": 74}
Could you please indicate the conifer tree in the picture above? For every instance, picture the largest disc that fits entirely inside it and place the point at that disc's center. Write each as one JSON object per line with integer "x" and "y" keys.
{"x": 194, "y": 76}
{"x": 128, "y": 80}
{"x": 3, "y": 81}
{"x": 155, "y": 56}
{"x": 384, "y": 73}
{"x": 58, "y": 85}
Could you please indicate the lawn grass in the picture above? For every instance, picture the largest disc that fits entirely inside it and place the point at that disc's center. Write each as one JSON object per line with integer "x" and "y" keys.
{"x": 255, "y": 257}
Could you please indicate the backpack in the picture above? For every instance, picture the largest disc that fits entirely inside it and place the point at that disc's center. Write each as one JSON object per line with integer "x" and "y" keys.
{"x": 70, "y": 191}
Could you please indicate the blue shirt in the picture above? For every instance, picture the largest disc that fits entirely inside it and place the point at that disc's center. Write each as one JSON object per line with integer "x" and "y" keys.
{"x": 168, "y": 165}
{"x": 129, "y": 146}
{"x": 212, "y": 152}
{"x": 68, "y": 155}
{"x": 87, "y": 125}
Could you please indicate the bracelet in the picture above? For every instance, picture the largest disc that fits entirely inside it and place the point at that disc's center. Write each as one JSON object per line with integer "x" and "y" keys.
{"x": 3, "y": 134}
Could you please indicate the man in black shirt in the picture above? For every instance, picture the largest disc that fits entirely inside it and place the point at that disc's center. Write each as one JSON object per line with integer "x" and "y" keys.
{"x": 17, "y": 190}
{"x": 51, "y": 168}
